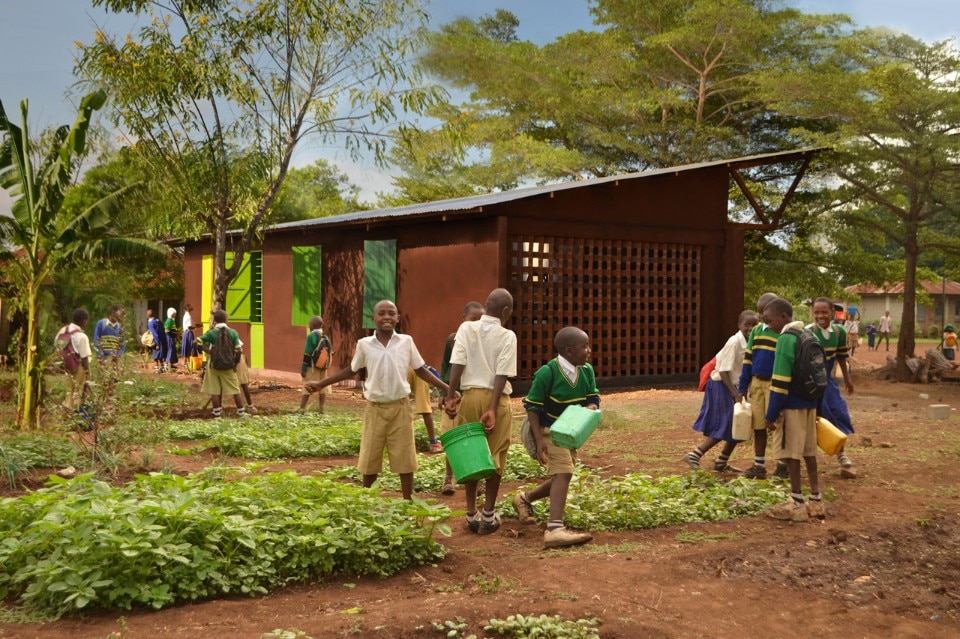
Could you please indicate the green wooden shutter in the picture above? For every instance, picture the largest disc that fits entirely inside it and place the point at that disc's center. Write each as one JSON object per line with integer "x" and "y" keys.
{"x": 379, "y": 276}
{"x": 245, "y": 291}
{"x": 307, "y": 284}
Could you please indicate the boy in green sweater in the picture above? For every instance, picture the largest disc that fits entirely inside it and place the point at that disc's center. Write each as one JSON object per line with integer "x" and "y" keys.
{"x": 565, "y": 381}
{"x": 792, "y": 419}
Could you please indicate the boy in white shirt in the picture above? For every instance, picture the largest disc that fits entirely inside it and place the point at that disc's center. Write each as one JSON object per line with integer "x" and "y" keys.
{"x": 484, "y": 357}
{"x": 387, "y": 420}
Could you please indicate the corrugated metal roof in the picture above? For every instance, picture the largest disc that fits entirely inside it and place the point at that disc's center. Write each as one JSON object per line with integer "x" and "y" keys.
{"x": 896, "y": 288}
{"x": 477, "y": 202}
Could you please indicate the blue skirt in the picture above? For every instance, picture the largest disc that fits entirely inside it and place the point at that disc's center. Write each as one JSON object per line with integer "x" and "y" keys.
{"x": 834, "y": 408}
{"x": 716, "y": 413}
{"x": 186, "y": 346}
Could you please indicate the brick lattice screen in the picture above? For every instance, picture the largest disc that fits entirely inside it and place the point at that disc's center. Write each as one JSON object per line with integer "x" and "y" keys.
{"x": 638, "y": 301}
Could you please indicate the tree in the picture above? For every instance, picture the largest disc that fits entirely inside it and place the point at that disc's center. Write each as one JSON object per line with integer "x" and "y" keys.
{"x": 42, "y": 235}
{"x": 663, "y": 83}
{"x": 317, "y": 190}
{"x": 897, "y": 149}
{"x": 218, "y": 94}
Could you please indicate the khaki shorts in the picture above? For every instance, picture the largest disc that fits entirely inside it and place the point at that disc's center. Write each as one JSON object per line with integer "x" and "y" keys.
{"x": 474, "y": 404}
{"x": 387, "y": 426}
{"x": 75, "y": 382}
{"x": 758, "y": 395}
{"x": 853, "y": 339}
{"x": 421, "y": 393}
{"x": 799, "y": 426}
{"x": 243, "y": 377}
{"x": 446, "y": 422}
{"x": 220, "y": 382}
{"x": 315, "y": 374}
{"x": 560, "y": 460}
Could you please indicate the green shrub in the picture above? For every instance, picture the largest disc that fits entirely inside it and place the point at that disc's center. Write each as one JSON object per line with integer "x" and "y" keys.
{"x": 636, "y": 501}
{"x": 164, "y": 539}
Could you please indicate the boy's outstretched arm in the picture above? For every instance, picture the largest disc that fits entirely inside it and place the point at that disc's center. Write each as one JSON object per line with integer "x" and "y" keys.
{"x": 341, "y": 375}
{"x": 427, "y": 376}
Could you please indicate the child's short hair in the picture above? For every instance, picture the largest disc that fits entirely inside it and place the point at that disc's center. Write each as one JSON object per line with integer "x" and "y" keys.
{"x": 744, "y": 315}
{"x": 824, "y": 300}
{"x": 315, "y": 322}
{"x": 220, "y": 317}
{"x": 567, "y": 336}
{"x": 780, "y": 305}
{"x": 472, "y": 306}
{"x": 80, "y": 316}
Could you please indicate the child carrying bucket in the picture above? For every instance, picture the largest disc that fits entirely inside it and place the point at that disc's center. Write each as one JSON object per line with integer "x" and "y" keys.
{"x": 387, "y": 421}
{"x": 715, "y": 420}
{"x": 484, "y": 356}
{"x": 568, "y": 380}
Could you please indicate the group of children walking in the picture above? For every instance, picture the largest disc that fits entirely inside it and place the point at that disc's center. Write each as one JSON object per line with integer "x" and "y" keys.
{"x": 474, "y": 386}
{"x": 761, "y": 357}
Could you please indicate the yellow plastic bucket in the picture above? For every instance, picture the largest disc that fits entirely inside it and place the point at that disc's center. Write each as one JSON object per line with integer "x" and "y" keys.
{"x": 830, "y": 439}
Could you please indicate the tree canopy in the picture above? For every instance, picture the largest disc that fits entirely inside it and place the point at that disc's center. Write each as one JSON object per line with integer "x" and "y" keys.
{"x": 216, "y": 95}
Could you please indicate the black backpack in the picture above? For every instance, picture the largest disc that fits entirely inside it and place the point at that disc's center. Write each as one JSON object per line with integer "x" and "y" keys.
{"x": 223, "y": 354}
{"x": 809, "y": 379}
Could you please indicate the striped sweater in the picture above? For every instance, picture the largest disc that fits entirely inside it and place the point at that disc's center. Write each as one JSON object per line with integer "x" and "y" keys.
{"x": 785, "y": 358}
{"x": 758, "y": 356}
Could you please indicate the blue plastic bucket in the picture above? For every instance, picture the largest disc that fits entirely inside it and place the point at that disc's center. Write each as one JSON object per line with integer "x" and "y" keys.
{"x": 468, "y": 453}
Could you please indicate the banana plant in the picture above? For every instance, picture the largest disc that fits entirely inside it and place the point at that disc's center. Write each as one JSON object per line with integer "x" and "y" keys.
{"x": 42, "y": 236}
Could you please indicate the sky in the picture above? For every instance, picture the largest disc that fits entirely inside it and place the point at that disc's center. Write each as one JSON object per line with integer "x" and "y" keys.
{"x": 37, "y": 48}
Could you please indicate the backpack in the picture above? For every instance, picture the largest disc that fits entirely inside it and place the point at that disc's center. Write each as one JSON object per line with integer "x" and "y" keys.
{"x": 68, "y": 354}
{"x": 322, "y": 353}
{"x": 147, "y": 340}
{"x": 809, "y": 379}
{"x": 708, "y": 368}
{"x": 224, "y": 354}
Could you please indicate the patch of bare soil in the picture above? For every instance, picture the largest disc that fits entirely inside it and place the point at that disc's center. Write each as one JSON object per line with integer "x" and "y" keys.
{"x": 885, "y": 562}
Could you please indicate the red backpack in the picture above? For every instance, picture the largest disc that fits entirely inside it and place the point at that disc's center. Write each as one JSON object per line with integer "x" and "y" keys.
{"x": 68, "y": 354}
{"x": 705, "y": 374}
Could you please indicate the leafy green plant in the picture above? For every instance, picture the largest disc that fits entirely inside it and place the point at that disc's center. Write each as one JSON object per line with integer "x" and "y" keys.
{"x": 164, "y": 539}
{"x": 432, "y": 469}
{"x": 489, "y": 585}
{"x": 24, "y": 451}
{"x": 452, "y": 629}
{"x": 638, "y": 501}
{"x": 544, "y": 627}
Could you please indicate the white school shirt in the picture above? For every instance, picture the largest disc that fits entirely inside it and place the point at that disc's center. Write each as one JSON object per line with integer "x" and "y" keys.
{"x": 386, "y": 366}
{"x": 187, "y": 321}
{"x": 485, "y": 349}
{"x": 730, "y": 357}
{"x": 79, "y": 339}
{"x": 885, "y": 322}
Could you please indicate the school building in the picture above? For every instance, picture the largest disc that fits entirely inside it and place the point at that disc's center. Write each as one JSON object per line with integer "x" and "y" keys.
{"x": 941, "y": 307}
{"x": 648, "y": 264}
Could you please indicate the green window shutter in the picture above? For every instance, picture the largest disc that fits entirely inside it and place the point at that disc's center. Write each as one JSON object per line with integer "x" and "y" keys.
{"x": 238, "y": 291}
{"x": 307, "y": 284}
{"x": 379, "y": 276}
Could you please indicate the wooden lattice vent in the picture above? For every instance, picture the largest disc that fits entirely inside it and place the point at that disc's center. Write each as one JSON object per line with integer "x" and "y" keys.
{"x": 638, "y": 301}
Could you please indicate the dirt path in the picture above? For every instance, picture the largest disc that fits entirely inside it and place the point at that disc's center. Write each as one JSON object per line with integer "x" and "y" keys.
{"x": 885, "y": 563}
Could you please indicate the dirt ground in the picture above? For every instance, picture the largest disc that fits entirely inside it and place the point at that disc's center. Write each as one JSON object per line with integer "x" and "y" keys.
{"x": 885, "y": 562}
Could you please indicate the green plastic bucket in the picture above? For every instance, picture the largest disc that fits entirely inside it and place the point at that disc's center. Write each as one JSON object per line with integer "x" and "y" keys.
{"x": 468, "y": 452}
{"x": 574, "y": 426}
